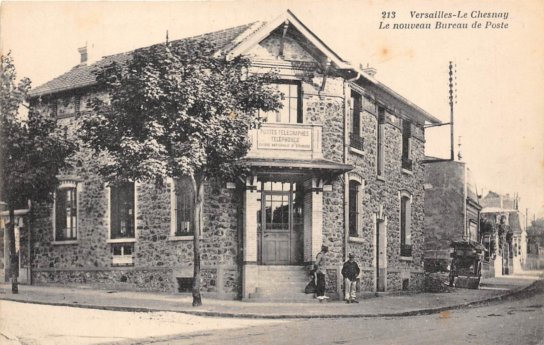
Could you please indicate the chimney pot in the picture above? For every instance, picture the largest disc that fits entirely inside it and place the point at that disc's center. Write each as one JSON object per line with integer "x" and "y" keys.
{"x": 371, "y": 71}
{"x": 83, "y": 54}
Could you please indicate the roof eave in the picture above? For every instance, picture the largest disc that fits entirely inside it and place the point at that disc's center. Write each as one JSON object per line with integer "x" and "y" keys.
{"x": 426, "y": 115}
{"x": 263, "y": 31}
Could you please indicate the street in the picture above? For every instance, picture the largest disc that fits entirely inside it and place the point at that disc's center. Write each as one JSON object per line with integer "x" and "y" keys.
{"x": 519, "y": 321}
{"x": 34, "y": 324}
{"x": 515, "y": 321}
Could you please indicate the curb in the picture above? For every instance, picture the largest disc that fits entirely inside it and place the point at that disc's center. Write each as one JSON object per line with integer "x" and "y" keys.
{"x": 510, "y": 294}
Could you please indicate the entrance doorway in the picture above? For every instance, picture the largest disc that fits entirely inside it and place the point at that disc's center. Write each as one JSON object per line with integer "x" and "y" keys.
{"x": 280, "y": 224}
{"x": 381, "y": 256}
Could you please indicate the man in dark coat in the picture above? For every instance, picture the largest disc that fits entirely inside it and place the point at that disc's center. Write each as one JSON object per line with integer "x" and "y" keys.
{"x": 350, "y": 272}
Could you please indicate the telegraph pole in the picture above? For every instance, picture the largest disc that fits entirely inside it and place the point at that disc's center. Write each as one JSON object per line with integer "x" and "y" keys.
{"x": 452, "y": 96}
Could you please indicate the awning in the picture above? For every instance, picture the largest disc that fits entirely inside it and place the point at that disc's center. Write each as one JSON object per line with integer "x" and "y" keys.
{"x": 323, "y": 165}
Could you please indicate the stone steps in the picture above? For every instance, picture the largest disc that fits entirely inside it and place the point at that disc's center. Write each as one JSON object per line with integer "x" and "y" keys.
{"x": 286, "y": 297}
{"x": 282, "y": 284}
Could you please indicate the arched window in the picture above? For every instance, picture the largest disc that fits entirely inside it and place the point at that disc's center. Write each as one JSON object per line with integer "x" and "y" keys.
{"x": 405, "y": 225}
{"x": 66, "y": 213}
{"x": 355, "y": 203}
{"x": 122, "y": 211}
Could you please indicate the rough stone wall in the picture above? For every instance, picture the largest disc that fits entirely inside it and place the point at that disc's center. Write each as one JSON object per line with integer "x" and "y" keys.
{"x": 327, "y": 108}
{"x": 90, "y": 259}
{"x": 384, "y": 192}
{"x": 120, "y": 279}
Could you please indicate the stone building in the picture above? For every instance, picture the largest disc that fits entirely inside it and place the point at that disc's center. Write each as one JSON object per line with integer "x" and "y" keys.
{"x": 452, "y": 210}
{"x": 503, "y": 233}
{"x": 339, "y": 165}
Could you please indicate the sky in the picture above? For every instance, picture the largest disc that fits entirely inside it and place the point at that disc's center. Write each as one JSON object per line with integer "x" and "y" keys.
{"x": 499, "y": 113}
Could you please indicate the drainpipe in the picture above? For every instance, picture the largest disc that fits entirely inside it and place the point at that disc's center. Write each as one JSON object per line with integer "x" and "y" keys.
{"x": 347, "y": 97}
{"x": 346, "y": 181}
{"x": 29, "y": 229}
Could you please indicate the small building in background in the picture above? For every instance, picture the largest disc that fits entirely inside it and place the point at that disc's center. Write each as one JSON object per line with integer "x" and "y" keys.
{"x": 503, "y": 233}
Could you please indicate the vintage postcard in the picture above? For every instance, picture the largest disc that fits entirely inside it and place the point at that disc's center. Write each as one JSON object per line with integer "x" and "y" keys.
{"x": 272, "y": 172}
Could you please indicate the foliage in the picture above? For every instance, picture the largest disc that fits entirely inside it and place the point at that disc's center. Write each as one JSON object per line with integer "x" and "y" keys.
{"x": 32, "y": 151}
{"x": 535, "y": 232}
{"x": 175, "y": 111}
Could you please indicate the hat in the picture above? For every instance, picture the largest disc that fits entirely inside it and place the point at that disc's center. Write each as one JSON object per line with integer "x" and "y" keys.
{"x": 351, "y": 255}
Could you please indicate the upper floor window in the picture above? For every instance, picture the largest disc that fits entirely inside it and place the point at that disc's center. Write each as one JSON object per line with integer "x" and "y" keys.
{"x": 66, "y": 213}
{"x": 380, "y": 141}
{"x": 356, "y": 141}
{"x": 291, "y": 112}
{"x": 406, "y": 145}
{"x": 122, "y": 212}
{"x": 405, "y": 226}
{"x": 183, "y": 197}
{"x": 355, "y": 204}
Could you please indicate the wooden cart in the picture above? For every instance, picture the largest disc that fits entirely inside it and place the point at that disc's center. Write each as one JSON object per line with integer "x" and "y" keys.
{"x": 466, "y": 264}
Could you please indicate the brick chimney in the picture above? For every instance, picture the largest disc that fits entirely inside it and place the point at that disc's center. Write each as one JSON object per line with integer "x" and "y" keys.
{"x": 84, "y": 55}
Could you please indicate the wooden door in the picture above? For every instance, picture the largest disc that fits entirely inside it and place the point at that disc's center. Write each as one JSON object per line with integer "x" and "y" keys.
{"x": 280, "y": 225}
{"x": 276, "y": 242}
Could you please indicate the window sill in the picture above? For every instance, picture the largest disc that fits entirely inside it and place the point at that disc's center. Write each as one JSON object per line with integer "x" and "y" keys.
{"x": 121, "y": 240}
{"x": 356, "y": 239}
{"x": 380, "y": 178}
{"x": 407, "y": 172}
{"x": 357, "y": 151}
{"x": 122, "y": 264}
{"x": 122, "y": 260}
{"x": 406, "y": 258}
{"x": 59, "y": 243}
{"x": 181, "y": 238}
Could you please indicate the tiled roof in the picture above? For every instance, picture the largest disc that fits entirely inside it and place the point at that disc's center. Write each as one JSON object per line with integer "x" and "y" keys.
{"x": 82, "y": 75}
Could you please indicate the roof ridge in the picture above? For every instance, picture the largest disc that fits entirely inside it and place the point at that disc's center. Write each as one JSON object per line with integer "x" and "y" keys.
{"x": 80, "y": 75}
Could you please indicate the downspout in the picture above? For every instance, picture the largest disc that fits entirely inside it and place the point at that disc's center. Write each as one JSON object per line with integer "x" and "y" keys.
{"x": 29, "y": 229}
{"x": 346, "y": 150}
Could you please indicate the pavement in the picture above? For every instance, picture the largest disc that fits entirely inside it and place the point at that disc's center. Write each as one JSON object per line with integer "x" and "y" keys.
{"x": 371, "y": 305}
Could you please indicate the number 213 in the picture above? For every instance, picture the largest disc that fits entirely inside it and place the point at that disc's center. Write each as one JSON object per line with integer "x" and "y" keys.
{"x": 388, "y": 15}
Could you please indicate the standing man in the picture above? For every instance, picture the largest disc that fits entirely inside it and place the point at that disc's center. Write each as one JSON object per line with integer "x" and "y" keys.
{"x": 321, "y": 271}
{"x": 350, "y": 272}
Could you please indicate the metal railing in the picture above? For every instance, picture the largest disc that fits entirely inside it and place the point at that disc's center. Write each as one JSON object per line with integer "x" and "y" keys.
{"x": 406, "y": 164}
{"x": 356, "y": 141}
{"x": 406, "y": 250}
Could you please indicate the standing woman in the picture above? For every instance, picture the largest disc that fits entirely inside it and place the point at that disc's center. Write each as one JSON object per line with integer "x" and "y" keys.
{"x": 321, "y": 270}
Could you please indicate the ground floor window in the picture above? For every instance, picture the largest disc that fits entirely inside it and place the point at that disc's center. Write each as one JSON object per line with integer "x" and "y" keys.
{"x": 122, "y": 254}
{"x": 66, "y": 214}
{"x": 183, "y": 207}
{"x": 355, "y": 203}
{"x": 405, "y": 225}
{"x": 122, "y": 217}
